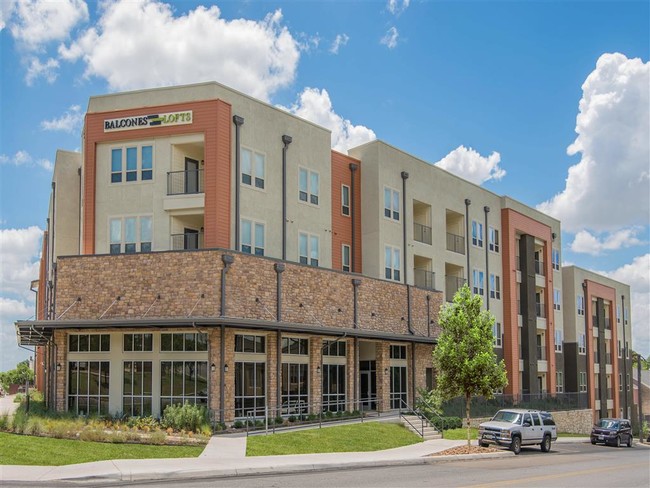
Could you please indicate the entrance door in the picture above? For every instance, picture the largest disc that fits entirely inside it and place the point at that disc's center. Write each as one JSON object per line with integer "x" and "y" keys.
{"x": 191, "y": 238}
{"x": 368, "y": 383}
{"x": 191, "y": 175}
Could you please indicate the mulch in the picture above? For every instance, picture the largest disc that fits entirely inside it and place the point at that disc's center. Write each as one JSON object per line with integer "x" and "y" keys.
{"x": 455, "y": 451}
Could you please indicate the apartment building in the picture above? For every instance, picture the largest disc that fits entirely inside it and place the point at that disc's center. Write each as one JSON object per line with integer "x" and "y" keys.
{"x": 205, "y": 238}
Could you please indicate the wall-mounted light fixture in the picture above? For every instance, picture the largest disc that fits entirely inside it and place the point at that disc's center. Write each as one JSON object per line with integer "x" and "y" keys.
{"x": 58, "y": 366}
{"x": 225, "y": 368}
{"x": 385, "y": 370}
{"x": 318, "y": 370}
{"x": 213, "y": 367}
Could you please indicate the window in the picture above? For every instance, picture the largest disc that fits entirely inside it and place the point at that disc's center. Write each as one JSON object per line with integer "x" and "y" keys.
{"x": 250, "y": 388}
{"x": 334, "y": 348}
{"x": 138, "y": 342}
{"x": 479, "y": 285}
{"x": 625, "y": 315}
{"x": 308, "y": 186}
{"x": 429, "y": 379}
{"x": 391, "y": 204}
{"x": 345, "y": 200}
{"x": 398, "y": 386}
{"x": 252, "y": 237}
{"x": 252, "y": 168}
{"x": 620, "y": 350}
{"x": 334, "y": 387}
{"x": 581, "y": 305}
{"x": 89, "y": 343}
{"x": 397, "y": 352}
{"x": 183, "y": 342}
{"x": 582, "y": 381}
{"x": 308, "y": 248}
{"x": 620, "y": 381}
{"x": 555, "y": 259}
{"x": 627, "y": 377}
{"x": 136, "y": 391}
{"x": 88, "y": 387}
{"x": 345, "y": 257}
{"x": 295, "y": 388}
{"x": 250, "y": 344}
{"x": 130, "y": 234}
{"x": 126, "y": 162}
{"x": 494, "y": 239}
{"x": 559, "y": 382}
{"x": 618, "y": 314}
{"x": 495, "y": 286}
{"x": 558, "y": 340}
{"x": 582, "y": 344}
{"x": 627, "y": 350}
{"x": 183, "y": 382}
{"x": 557, "y": 299}
{"x": 477, "y": 233}
{"x": 392, "y": 263}
{"x": 496, "y": 334}
{"x": 294, "y": 345}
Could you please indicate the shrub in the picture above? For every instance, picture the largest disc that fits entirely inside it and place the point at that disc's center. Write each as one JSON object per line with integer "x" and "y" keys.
{"x": 185, "y": 417}
{"x": 446, "y": 423}
{"x": 20, "y": 421}
{"x": 5, "y": 422}
{"x": 34, "y": 426}
{"x": 292, "y": 418}
{"x": 159, "y": 437}
{"x": 94, "y": 435}
{"x": 238, "y": 424}
{"x": 279, "y": 420}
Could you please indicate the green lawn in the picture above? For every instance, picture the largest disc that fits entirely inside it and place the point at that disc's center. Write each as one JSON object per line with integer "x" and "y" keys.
{"x": 370, "y": 436}
{"x": 45, "y": 451}
{"x": 460, "y": 434}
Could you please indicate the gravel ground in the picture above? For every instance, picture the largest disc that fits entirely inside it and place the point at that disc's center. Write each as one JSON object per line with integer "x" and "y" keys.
{"x": 466, "y": 450}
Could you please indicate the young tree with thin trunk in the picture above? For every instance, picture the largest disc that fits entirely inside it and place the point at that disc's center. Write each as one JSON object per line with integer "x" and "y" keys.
{"x": 464, "y": 357}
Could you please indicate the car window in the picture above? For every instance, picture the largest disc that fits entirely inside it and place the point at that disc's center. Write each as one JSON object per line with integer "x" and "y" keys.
{"x": 527, "y": 419}
{"x": 505, "y": 416}
{"x": 536, "y": 419}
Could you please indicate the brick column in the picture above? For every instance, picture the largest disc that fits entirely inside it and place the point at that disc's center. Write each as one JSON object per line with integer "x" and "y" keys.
{"x": 229, "y": 388}
{"x": 383, "y": 377}
{"x": 349, "y": 375}
{"x": 214, "y": 338}
{"x": 61, "y": 341}
{"x": 273, "y": 382}
{"x": 315, "y": 377}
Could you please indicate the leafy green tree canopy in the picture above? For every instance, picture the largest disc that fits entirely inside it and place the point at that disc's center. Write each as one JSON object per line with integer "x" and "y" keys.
{"x": 17, "y": 376}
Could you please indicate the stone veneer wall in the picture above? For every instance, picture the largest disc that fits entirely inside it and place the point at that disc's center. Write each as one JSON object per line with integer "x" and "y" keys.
{"x": 567, "y": 421}
{"x": 188, "y": 283}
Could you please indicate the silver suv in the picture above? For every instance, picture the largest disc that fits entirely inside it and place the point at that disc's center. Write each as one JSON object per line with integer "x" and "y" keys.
{"x": 515, "y": 427}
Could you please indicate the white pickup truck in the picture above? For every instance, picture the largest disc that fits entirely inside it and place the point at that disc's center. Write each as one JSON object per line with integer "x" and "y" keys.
{"x": 514, "y": 428}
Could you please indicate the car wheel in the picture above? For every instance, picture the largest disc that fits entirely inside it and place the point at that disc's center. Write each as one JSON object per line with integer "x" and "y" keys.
{"x": 483, "y": 444}
{"x": 617, "y": 441}
{"x": 629, "y": 441}
{"x": 516, "y": 445}
{"x": 593, "y": 441}
{"x": 546, "y": 443}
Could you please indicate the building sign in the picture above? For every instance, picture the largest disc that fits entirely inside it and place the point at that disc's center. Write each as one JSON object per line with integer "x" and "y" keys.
{"x": 147, "y": 121}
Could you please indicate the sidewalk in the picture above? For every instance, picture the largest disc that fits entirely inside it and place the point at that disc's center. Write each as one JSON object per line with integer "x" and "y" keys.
{"x": 225, "y": 456}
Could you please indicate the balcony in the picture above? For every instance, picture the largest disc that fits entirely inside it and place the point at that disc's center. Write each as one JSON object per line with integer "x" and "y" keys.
{"x": 185, "y": 182}
{"x": 455, "y": 243}
{"x": 186, "y": 241}
{"x": 608, "y": 324}
{"x": 608, "y": 358}
{"x": 540, "y": 310}
{"x": 541, "y": 353}
{"x": 424, "y": 278}
{"x": 421, "y": 233}
{"x": 539, "y": 268}
{"x": 452, "y": 285}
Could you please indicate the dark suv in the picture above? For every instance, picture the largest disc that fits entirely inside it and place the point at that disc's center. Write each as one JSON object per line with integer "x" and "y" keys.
{"x": 613, "y": 432}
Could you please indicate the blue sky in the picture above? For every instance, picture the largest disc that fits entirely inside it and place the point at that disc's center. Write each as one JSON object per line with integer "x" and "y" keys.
{"x": 490, "y": 90}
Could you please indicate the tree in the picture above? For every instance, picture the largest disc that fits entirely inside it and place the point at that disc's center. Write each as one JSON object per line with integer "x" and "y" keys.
{"x": 17, "y": 376}
{"x": 464, "y": 357}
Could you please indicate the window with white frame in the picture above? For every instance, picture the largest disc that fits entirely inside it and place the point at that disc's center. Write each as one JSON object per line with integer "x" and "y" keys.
{"x": 130, "y": 234}
{"x": 392, "y": 263}
{"x": 253, "y": 168}
{"x": 559, "y": 382}
{"x": 625, "y": 315}
{"x": 580, "y": 302}
{"x": 89, "y": 343}
{"x": 558, "y": 340}
{"x": 308, "y": 183}
{"x": 183, "y": 342}
{"x": 582, "y": 344}
{"x": 478, "y": 282}
{"x": 252, "y": 237}
{"x": 308, "y": 248}
{"x": 495, "y": 286}
{"x": 618, "y": 314}
{"x": 88, "y": 387}
{"x": 138, "y": 342}
{"x": 129, "y": 162}
{"x": 557, "y": 299}
{"x": 250, "y": 375}
{"x": 345, "y": 257}
{"x": 477, "y": 233}
{"x": 391, "y": 204}
{"x": 183, "y": 382}
{"x": 345, "y": 200}
{"x": 555, "y": 259}
{"x": 137, "y": 388}
{"x": 627, "y": 350}
{"x": 620, "y": 349}
{"x": 496, "y": 334}
{"x": 295, "y": 375}
{"x": 493, "y": 243}
{"x": 582, "y": 381}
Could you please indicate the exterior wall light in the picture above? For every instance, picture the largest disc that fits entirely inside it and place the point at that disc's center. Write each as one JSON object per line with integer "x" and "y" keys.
{"x": 58, "y": 366}
{"x": 213, "y": 367}
{"x": 318, "y": 370}
{"x": 225, "y": 368}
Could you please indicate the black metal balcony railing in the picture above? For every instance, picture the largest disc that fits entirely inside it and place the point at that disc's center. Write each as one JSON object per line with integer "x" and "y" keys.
{"x": 539, "y": 268}
{"x": 596, "y": 358}
{"x": 455, "y": 243}
{"x": 608, "y": 358}
{"x": 422, "y": 233}
{"x": 609, "y": 394}
{"x": 597, "y": 393}
{"x": 540, "y": 310}
{"x": 452, "y": 285}
{"x": 189, "y": 240}
{"x": 185, "y": 182}
{"x": 608, "y": 324}
{"x": 425, "y": 278}
{"x": 541, "y": 353}
{"x": 518, "y": 263}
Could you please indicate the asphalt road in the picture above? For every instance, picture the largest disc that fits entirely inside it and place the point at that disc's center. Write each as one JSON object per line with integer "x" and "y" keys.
{"x": 567, "y": 465}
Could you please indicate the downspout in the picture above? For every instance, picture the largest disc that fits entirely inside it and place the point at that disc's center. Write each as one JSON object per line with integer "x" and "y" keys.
{"x": 46, "y": 291}
{"x": 405, "y": 176}
{"x": 624, "y": 355}
{"x": 428, "y": 315}
{"x": 486, "y": 209}
{"x": 355, "y": 286}
{"x": 286, "y": 140}
{"x": 79, "y": 219}
{"x": 227, "y": 261}
{"x": 222, "y": 375}
{"x": 468, "y": 202}
{"x": 353, "y": 169}
{"x": 238, "y": 121}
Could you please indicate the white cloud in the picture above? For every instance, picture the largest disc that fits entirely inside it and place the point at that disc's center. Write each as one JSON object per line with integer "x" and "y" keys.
{"x": 469, "y": 164}
{"x": 7, "y": 8}
{"x": 341, "y": 40}
{"x": 10, "y": 311}
{"x": 390, "y": 38}
{"x": 10, "y": 308}
{"x": 19, "y": 259}
{"x": 23, "y": 158}
{"x": 71, "y": 121}
{"x": 37, "y": 22}
{"x": 608, "y": 188}
{"x": 637, "y": 275}
{"x": 396, "y": 7}
{"x": 141, "y": 43}
{"x": 36, "y": 69}
{"x": 306, "y": 42}
{"x": 586, "y": 242}
{"x": 315, "y": 105}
